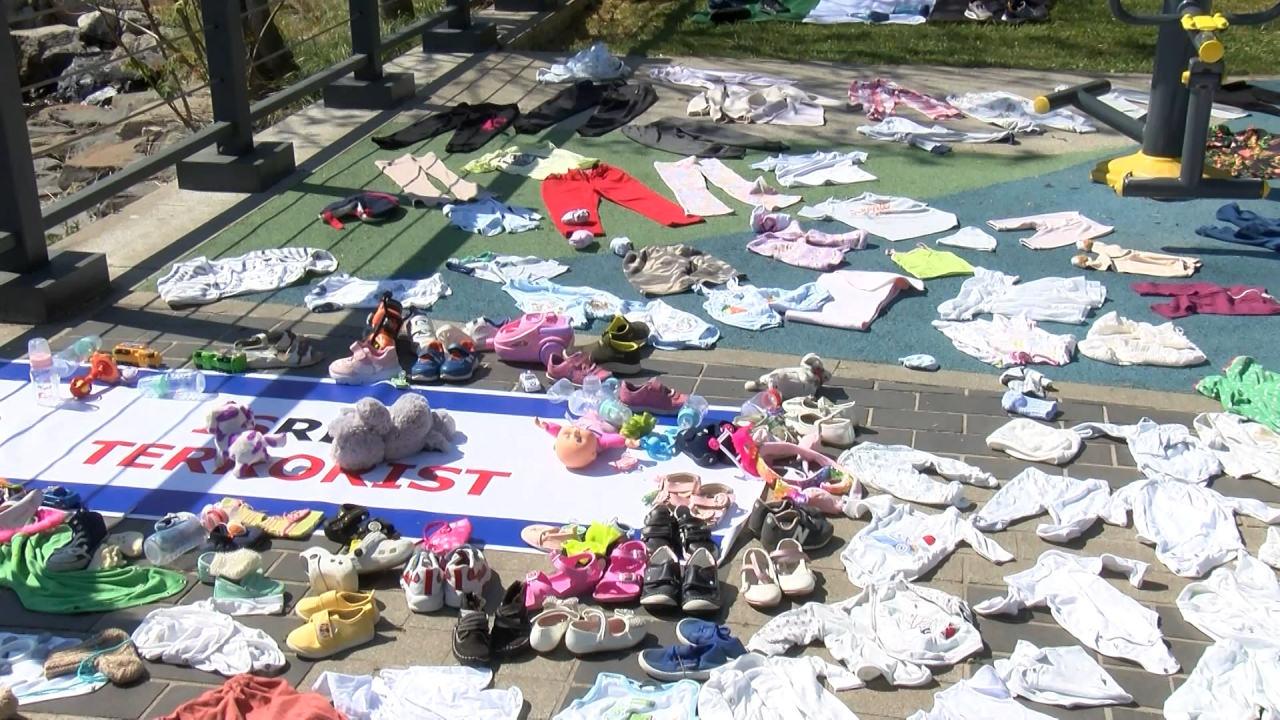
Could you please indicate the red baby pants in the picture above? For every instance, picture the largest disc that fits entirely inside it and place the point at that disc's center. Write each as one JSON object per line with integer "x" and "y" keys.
{"x": 582, "y": 190}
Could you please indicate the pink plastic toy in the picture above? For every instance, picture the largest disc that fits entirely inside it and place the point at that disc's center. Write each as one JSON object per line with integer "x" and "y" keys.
{"x": 533, "y": 338}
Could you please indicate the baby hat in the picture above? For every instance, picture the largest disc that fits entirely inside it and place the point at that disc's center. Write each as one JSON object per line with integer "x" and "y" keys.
{"x": 1036, "y": 442}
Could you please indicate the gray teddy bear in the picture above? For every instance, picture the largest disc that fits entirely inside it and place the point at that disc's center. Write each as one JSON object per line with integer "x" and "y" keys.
{"x": 371, "y": 433}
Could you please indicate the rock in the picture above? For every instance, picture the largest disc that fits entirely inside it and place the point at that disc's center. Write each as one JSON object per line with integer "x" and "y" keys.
{"x": 63, "y": 11}
{"x": 44, "y": 52}
{"x": 109, "y": 155}
{"x": 99, "y": 26}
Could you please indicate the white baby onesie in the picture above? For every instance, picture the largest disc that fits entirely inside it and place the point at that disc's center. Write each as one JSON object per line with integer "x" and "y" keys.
{"x": 894, "y": 629}
{"x": 897, "y": 470}
{"x": 756, "y": 687}
{"x": 1003, "y": 341}
{"x": 1230, "y": 681}
{"x": 1053, "y": 230}
{"x": 1121, "y": 341}
{"x": 1164, "y": 452}
{"x": 817, "y": 169}
{"x": 1063, "y": 676}
{"x": 930, "y": 138}
{"x": 1016, "y": 113}
{"x": 1073, "y": 505}
{"x": 1245, "y": 448}
{"x": 207, "y": 640}
{"x": 901, "y": 541}
{"x": 345, "y": 291}
{"x": 1192, "y": 527}
{"x": 420, "y": 693}
{"x": 1240, "y": 603}
{"x": 200, "y": 280}
{"x": 981, "y": 697}
{"x": 1056, "y": 299}
{"x": 1088, "y": 607}
{"x": 892, "y": 218}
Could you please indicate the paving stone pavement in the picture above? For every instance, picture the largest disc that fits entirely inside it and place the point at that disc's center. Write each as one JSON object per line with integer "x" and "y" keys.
{"x": 944, "y": 419}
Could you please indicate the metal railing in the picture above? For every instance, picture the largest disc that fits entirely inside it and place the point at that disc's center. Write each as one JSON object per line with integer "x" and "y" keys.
{"x": 223, "y": 155}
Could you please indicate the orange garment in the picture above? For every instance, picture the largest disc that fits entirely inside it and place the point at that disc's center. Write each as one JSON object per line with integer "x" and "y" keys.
{"x": 249, "y": 697}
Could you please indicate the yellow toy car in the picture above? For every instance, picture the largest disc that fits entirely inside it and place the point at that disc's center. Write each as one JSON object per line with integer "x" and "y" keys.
{"x": 136, "y": 354}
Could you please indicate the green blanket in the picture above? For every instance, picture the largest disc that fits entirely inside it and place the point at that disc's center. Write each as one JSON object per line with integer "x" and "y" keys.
{"x": 1246, "y": 388}
{"x": 22, "y": 570}
{"x": 796, "y": 11}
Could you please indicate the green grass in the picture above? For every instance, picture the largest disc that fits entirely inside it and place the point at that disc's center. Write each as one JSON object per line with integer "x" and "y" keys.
{"x": 1082, "y": 35}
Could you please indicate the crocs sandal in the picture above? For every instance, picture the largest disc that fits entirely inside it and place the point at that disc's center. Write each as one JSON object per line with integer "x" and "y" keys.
{"x": 624, "y": 579}
{"x": 575, "y": 575}
{"x": 376, "y": 552}
{"x": 596, "y": 540}
{"x": 551, "y": 538}
{"x": 343, "y": 528}
{"x": 442, "y": 537}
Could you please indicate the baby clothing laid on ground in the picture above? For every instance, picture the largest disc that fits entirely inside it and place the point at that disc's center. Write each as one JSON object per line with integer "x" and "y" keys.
{"x": 619, "y": 105}
{"x": 1192, "y": 527}
{"x": 489, "y": 216}
{"x": 590, "y": 63}
{"x": 1064, "y": 300}
{"x": 414, "y": 175}
{"x": 1209, "y": 299}
{"x": 1003, "y": 341}
{"x": 705, "y": 79}
{"x": 930, "y": 138}
{"x": 344, "y": 291}
{"x": 1165, "y": 452}
{"x": 879, "y": 98}
{"x": 970, "y": 238}
{"x": 1269, "y": 551}
{"x": 755, "y": 687}
{"x": 539, "y": 167}
{"x": 23, "y": 658}
{"x": 248, "y": 697}
{"x": 206, "y": 640}
{"x": 1247, "y": 228}
{"x": 926, "y": 263}
{"x": 1245, "y": 448}
{"x": 688, "y": 181}
{"x": 472, "y": 126}
{"x": 816, "y": 169}
{"x": 420, "y": 693}
{"x": 857, "y": 298}
{"x": 1053, "y": 230}
{"x": 980, "y": 697}
{"x": 1073, "y": 505}
{"x": 898, "y": 470}
{"x": 752, "y": 308}
{"x": 1026, "y": 381}
{"x": 583, "y": 189}
{"x": 200, "y": 280}
{"x": 1246, "y": 388}
{"x": 1064, "y": 676}
{"x": 501, "y": 268}
{"x": 896, "y": 630}
{"x": 880, "y": 12}
{"x": 1121, "y": 341}
{"x": 617, "y": 696}
{"x": 1029, "y": 440}
{"x": 580, "y": 304}
{"x": 889, "y": 217}
{"x": 1016, "y": 113}
{"x": 774, "y": 105}
{"x": 811, "y": 249}
{"x": 700, "y": 139}
{"x": 1239, "y": 603}
{"x": 1097, "y": 614}
{"x": 670, "y": 269}
{"x": 1134, "y": 262}
{"x": 577, "y": 98}
{"x": 1231, "y": 680}
{"x": 671, "y": 328}
{"x": 902, "y": 542}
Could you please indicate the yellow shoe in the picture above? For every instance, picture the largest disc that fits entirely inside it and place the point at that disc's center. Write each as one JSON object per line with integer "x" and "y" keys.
{"x": 329, "y": 632}
{"x": 335, "y": 600}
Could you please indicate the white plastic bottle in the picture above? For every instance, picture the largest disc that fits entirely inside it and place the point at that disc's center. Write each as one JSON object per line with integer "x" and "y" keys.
{"x": 44, "y": 376}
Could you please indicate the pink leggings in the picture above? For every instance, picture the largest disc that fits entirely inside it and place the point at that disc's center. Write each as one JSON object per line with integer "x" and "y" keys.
{"x": 582, "y": 190}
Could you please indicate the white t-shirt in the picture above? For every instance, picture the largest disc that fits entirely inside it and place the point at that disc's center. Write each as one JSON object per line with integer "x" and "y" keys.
{"x": 892, "y": 218}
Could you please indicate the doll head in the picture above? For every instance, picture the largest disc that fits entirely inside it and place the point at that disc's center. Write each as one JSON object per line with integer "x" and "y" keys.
{"x": 576, "y": 447}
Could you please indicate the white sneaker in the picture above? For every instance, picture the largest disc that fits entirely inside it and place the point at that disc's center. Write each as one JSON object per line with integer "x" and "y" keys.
{"x": 807, "y": 416}
{"x": 450, "y": 335}
{"x": 326, "y": 571}
{"x": 423, "y": 582}
{"x": 548, "y": 627}
{"x": 376, "y": 552}
{"x": 421, "y": 333}
{"x": 594, "y": 632}
{"x": 466, "y": 571}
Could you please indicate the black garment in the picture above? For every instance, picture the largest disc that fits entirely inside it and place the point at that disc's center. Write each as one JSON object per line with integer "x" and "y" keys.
{"x": 620, "y": 105}
{"x": 700, "y": 139}
{"x": 1249, "y": 97}
{"x": 473, "y": 126}
{"x": 578, "y": 97}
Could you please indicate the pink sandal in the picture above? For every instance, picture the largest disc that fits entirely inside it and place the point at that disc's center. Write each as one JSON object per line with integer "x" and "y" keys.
{"x": 677, "y": 489}
{"x": 622, "y": 581}
{"x": 710, "y": 502}
{"x": 575, "y": 575}
{"x": 447, "y": 536}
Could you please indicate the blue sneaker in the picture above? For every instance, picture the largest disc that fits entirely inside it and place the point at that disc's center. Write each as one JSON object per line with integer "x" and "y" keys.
{"x": 693, "y": 662}
{"x": 427, "y": 367}
{"x": 460, "y": 364}
{"x": 692, "y": 631}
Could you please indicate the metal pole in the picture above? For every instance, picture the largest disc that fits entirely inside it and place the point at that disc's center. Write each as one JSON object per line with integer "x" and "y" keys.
{"x": 228, "y": 74}
{"x": 366, "y": 38}
{"x": 459, "y": 14}
{"x": 21, "y": 227}
{"x": 1167, "y": 111}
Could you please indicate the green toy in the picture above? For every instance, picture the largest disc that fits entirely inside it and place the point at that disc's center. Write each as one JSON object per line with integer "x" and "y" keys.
{"x": 637, "y": 426}
{"x": 220, "y": 361}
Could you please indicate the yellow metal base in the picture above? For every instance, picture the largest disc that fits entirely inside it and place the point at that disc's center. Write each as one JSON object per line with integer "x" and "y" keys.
{"x": 1140, "y": 165}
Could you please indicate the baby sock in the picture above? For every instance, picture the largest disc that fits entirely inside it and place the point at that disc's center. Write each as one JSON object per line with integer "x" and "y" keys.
{"x": 620, "y": 246}
{"x": 576, "y": 217}
{"x": 1015, "y": 402}
{"x": 579, "y": 239}
{"x": 919, "y": 362}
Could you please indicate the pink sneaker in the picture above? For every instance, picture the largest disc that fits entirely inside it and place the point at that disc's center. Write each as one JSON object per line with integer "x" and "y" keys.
{"x": 575, "y": 575}
{"x": 533, "y": 337}
{"x": 622, "y": 581}
{"x": 652, "y": 396}
{"x": 365, "y": 366}
{"x": 575, "y": 368}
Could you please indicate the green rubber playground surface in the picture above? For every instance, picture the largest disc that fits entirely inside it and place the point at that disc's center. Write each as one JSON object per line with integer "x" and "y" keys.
{"x": 977, "y": 186}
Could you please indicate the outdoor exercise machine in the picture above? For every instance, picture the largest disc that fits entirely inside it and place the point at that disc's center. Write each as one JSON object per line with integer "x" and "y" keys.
{"x": 1188, "y": 70}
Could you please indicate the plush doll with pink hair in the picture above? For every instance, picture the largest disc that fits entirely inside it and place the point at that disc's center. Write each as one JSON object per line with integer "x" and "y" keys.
{"x": 237, "y": 437}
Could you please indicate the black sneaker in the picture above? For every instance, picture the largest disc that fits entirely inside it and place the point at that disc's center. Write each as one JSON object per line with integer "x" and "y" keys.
{"x": 1020, "y": 12}
{"x": 762, "y": 509}
{"x": 88, "y": 530}
{"x": 511, "y": 627}
{"x": 343, "y": 528}
{"x": 660, "y": 530}
{"x": 700, "y": 588}
{"x": 471, "y": 640}
{"x": 661, "y": 579}
{"x": 694, "y": 534}
{"x": 809, "y": 529}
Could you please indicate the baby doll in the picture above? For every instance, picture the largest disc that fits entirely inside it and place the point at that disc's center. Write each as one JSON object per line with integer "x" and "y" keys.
{"x": 578, "y": 447}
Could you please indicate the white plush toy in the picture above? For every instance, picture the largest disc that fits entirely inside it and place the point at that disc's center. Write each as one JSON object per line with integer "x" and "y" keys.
{"x": 802, "y": 381}
{"x": 237, "y": 438}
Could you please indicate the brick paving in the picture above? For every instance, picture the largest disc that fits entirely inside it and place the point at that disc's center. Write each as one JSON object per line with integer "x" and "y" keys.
{"x": 944, "y": 419}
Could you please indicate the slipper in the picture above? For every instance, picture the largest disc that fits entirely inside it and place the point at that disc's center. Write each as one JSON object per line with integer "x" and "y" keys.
{"x": 343, "y": 528}
{"x": 550, "y": 538}
{"x": 442, "y": 537}
{"x": 278, "y": 349}
{"x": 623, "y": 580}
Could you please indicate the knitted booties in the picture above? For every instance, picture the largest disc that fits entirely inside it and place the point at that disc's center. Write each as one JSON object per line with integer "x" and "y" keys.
{"x": 122, "y": 665}
{"x": 8, "y": 703}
